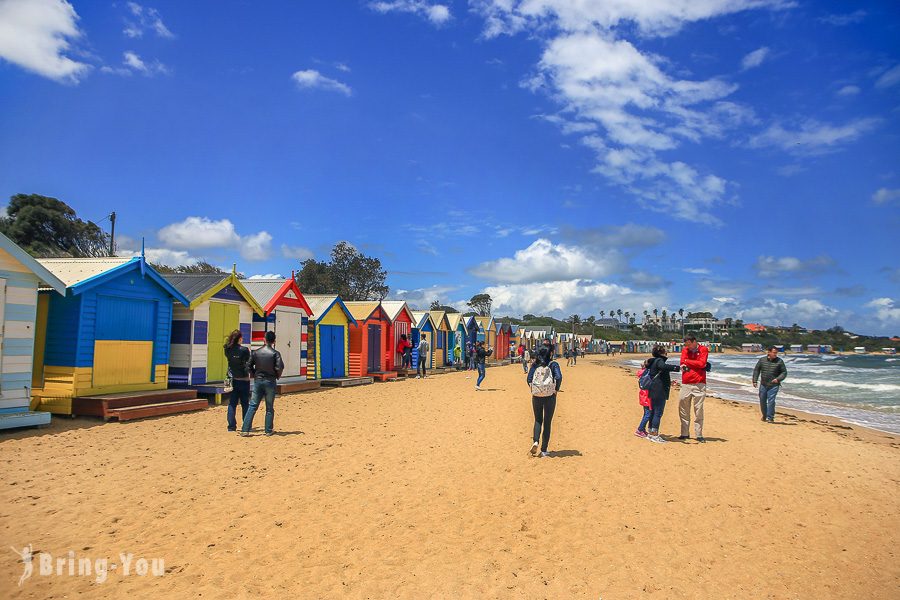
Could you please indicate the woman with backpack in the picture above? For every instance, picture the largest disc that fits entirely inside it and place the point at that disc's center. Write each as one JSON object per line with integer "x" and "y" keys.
{"x": 238, "y": 358}
{"x": 544, "y": 377}
{"x": 660, "y": 384}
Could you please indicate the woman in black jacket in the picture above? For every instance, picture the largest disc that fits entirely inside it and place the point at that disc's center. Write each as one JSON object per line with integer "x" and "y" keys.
{"x": 659, "y": 389}
{"x": 238, "y": 358}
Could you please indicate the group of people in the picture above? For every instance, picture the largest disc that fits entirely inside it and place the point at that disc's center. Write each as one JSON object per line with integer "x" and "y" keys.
{"x": 655, "y": 384}
{"x": 264, "y": 365}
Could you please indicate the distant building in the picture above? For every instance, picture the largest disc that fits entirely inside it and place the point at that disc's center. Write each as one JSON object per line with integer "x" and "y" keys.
{"x": 667, "y": 323}
{"x": 612, "y": 324}
{"x": 754, "y": 327}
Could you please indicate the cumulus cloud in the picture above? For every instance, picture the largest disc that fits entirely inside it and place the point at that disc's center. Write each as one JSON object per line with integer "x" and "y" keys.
{"x": 142, "y": 19}
{"x": 755, "y": 58}
{"x": 35, "y": 35}
{"x": 812, "y": 137}
{"x": 885, "y": 310}
{"x": 639, "y": 109}
{"x": 257, "y": 246}
{"x": 310, "y": 79}
{"x": 296, "y": 252}
{"x": 437, "y": 14}
{"x": 268, "y": 276}
{"x": 199, "y": 232}
{"x": 545, "y": 261}
{"x": 802, "y": 311}
{"x": 771, "y": 266}
{"x": 421, "y": 298}
{"x": 563, "y": 298}
{"x": 163, "y": 256}
{"x": 886, "y": 196}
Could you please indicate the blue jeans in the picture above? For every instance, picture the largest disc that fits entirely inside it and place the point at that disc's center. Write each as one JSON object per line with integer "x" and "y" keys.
{"x": 261, "y": 387}
{"x": 240, "y": 393}
{"x": 645, "y": 419}
{"x": 767, "y": 400}
{"x": 656, "y": 413}
{"x": 480, "y": 373}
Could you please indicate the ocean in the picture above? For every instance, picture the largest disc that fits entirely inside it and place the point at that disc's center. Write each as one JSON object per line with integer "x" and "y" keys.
{"x": 860, "y": 389}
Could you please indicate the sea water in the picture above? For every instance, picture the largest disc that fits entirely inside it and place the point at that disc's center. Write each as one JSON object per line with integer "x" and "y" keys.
{"x": 860, "y": 389}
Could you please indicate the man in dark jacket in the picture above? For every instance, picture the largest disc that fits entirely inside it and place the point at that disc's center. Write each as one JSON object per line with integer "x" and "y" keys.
{"x": 480, "y": 355}
{"x": 266, "y": 367}
{"x": 769, "y": 372}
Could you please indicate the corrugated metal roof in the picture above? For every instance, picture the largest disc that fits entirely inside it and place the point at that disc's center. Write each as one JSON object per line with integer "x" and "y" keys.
{"x": 393, "y": 308}
{"x": 361, "y": 309}
{"x": 263, "y": 290}
{"x": 193, "y": 285}
{"x": 319, "y": 303}
{"x": 74, "y": 270}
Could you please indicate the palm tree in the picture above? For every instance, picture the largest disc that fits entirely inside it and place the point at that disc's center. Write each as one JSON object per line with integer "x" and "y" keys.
{"x": 627, "y": 314}
{"x": 681, "y": 316}
{"x": 619, "y": 312}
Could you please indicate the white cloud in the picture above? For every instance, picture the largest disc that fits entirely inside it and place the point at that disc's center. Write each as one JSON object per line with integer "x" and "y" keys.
{"x": 545, "y": 261}
{"x": 639, "y": 109}
{"x": 885, "y": 310}
{"x": 163, "y": 256}
{"x": 771, "y": 266}
{"x": 296, "y": 252}
{"x": 35, "y": 34}
{"x": 844, "y": 19}
{"x": 775, "y": 312}
{"x": 342, "y": 67}
{"x": 885, "y": 196}
{"x": 696, "y": 271}
{"x": 268, "y": 276}
{"x": 257, "y": 246}
{"x": 563, "y": 298}
{"x": 889, "y": 78}
{"x": 132, "y": 63}
{"x": 848, "y": 90}
{"x": 421, "y": 298}
{"x": 437, "y": 14}
{"x": 145, "y": 19}
{"x": 755, "y": 58}
{"x": 199, "y": 232}
{"x": 311, "y": 79}
{"x": 813, "y": 137}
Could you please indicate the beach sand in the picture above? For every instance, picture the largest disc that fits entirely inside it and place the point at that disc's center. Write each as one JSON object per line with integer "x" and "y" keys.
{"x": 423, "y": 489}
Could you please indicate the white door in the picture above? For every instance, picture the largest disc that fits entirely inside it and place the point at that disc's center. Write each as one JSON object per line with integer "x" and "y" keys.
{"x": 288, "y": 331}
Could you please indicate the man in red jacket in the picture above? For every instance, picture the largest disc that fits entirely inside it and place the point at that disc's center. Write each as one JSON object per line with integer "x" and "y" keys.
{"x": 693, "y": 387}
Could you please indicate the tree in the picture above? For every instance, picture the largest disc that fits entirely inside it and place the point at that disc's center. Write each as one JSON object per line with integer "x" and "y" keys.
{"x": 619, "y": 312}
{"x": 47, "y": 227}
{"x": 349, "y": 274}
{"x": 436, "y": 305}
{"x": 528, "y": 317}
{"x": 199, "y": 267}
{"x": 481, "y": 304}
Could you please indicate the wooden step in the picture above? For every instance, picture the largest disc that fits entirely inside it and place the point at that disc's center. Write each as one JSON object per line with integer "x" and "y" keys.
{"x": 129, "y": 399}
{"x": 383, "y": 375}
{"x": 347, "y": 381}
{"x": 291, "y": 387}
{"x": 156, "y": 410}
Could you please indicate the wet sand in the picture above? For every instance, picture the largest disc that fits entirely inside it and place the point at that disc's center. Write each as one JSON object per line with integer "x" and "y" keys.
{"x": 424, "y": 489}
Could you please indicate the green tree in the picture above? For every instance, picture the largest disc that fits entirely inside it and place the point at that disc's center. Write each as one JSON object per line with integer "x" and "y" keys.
{"x": 350, "y": 274}
{"x": 199, "y": 267}
{"x": 436, "y": 305}
{"x": 481, "y": 304}
{"x": 47, "y": 227}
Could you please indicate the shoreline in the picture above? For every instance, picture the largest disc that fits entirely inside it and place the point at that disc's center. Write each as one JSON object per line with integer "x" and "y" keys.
{"x": 832, "y": 422}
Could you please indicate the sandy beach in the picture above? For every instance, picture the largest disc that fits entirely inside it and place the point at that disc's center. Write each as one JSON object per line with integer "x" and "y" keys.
{"x": 423, "y": 489}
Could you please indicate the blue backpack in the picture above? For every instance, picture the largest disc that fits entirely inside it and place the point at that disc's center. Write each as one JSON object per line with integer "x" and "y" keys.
{"x": 645, "y": 380}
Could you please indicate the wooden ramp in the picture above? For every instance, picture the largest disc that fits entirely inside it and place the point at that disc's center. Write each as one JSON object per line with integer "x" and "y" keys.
{"x": 347, "y": 381}
{"x": 26, "y": 418}
{"x": 383, "y": 375}
{"x": 138, "y": 405}
{"x": 292, "y": 385}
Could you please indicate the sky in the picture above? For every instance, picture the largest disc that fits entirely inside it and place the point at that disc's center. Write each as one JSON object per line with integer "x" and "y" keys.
{"x": 564, "y": 156}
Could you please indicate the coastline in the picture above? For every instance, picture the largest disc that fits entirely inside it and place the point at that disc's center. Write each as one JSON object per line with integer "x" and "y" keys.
{"x": 830, "y": 422}
{"x": 424, "y": 488}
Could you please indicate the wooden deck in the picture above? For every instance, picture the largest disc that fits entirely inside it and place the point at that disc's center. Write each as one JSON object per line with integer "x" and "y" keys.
{"x": 347, "y": 381}
{"x": 24, "y": 419}
{"x": 136, "y": 405}
{"x": 383, "y": 375}
{"x": 290, "y": 385}
{"x": 402, "y": 372}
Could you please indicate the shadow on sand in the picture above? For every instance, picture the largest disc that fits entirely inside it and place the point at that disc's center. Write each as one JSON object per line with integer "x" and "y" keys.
{"x": 564, "y": 453}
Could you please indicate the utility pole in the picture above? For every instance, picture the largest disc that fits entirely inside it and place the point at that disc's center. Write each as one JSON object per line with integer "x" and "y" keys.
{"x": 112, "y": 235}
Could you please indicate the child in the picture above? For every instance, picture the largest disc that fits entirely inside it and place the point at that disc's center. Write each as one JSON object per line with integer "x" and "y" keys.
{"x": 644, "y": 401}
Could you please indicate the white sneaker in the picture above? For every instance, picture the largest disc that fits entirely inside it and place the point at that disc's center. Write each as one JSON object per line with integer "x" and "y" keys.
{"x": 656, "y": 439}
{"x": 545, "y": 454}
{"x": 477, "y": 388}
{"x": 418, "y": 377}
{"x": 534, "y": 449}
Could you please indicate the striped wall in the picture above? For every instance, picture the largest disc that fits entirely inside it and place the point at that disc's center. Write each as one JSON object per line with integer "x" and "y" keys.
{"x": 260, "y": 325}
{"x": 189, "y": 343}
{"x": 19, "y": 310}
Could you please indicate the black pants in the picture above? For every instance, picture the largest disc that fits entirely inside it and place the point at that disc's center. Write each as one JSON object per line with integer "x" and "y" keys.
{"x": 420, "y": 367}
{"x": 543, "y": 417}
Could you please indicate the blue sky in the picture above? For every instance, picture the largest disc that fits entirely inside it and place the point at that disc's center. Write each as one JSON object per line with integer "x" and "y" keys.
{"x": 566, "y": 156}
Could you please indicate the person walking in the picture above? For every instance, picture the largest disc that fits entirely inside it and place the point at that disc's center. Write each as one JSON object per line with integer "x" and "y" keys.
{"x": 238, "y": 358}
{"x": 526, "y": 358}
{"x": 520, "y": 352}
{"x": 769, "y": 372}
{"x": 544, "y": 378}
{"x": 266, "y": 366}
{"x": 644, "y": 402}
{"x": 480, "y": 356}
{"x": 424, "y": 348}
{"x": 457, "y": 357}
{"x": 694, "y": 362}
{"x": 659, "y": 389}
